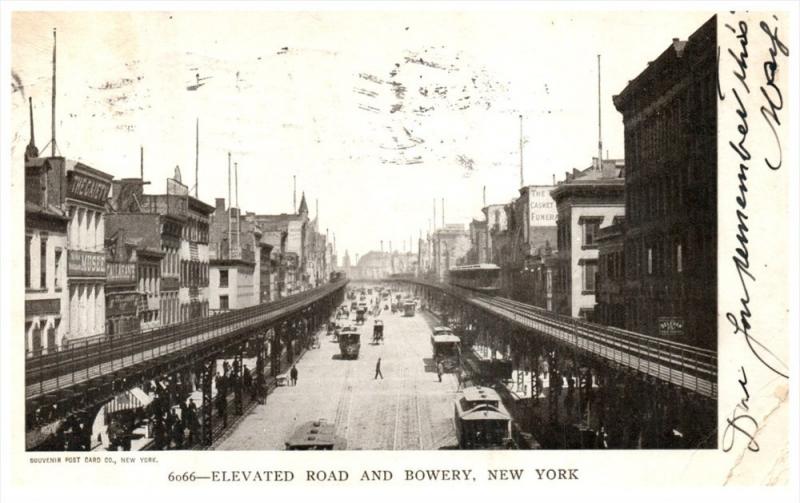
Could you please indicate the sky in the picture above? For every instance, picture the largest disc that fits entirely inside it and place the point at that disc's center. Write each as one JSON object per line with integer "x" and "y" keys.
{"x": 376, "y": 113}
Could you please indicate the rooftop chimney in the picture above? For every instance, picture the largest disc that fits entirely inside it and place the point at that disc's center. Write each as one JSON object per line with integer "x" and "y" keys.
{"x": 31, "y": 151}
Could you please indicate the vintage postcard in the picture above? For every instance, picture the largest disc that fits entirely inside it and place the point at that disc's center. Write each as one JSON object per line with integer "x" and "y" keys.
{"x": 528, "y": 246}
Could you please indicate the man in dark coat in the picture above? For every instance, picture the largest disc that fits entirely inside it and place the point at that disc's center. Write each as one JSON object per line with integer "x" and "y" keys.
{"x": 378, "y": 369}
{"x": 293, "y": 375}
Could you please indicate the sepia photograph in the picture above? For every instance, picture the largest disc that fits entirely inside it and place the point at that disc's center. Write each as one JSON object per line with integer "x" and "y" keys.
{"x": 315, "y": 228}
{"x": 575, "y": 311}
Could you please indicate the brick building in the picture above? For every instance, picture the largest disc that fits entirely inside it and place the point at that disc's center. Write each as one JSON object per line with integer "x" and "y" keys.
{"x": 670, "y": 116}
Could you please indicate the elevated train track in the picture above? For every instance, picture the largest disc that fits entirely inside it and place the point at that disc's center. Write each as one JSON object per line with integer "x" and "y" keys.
{"x": 93, "y": 358}
{"x": 688, "y": 367}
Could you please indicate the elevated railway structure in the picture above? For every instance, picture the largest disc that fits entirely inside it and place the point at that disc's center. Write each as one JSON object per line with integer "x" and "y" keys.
{"x": 651, "y": 388}
{"x": 68, "y": 387}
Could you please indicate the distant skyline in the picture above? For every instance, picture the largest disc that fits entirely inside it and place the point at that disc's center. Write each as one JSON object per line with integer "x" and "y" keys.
{"x": 375, "y": 113}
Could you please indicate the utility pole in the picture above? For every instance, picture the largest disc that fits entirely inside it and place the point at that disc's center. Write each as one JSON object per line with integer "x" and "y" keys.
{"x": 230, "y": 212}
{"x": 443, "y": 224}
{"x": 197, "y": 157}
{"x": 599, "y": 120}
{"x": 141, "y": 162}
{"x": 294, "y": 193}
{"x": 521, "y": 169}
{"x": 53, "y": 104}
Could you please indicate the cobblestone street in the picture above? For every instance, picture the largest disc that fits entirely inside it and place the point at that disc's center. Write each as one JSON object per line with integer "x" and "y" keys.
{"x": 408, "y": 409}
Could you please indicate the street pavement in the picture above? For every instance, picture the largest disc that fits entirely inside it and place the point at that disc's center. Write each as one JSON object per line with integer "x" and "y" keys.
{"x": 408, "y": 409}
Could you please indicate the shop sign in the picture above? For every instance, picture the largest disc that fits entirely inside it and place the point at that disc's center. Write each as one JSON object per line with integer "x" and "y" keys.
{"x": 42, "y": 307}
{"x": 670, "y": 326}
{"x": 542, "y": 207}
{"x": 87, "y": 188}
{"x": 86, "y": 264}
{"x": 121, "y": 305}
{"x": 121, "y": 272}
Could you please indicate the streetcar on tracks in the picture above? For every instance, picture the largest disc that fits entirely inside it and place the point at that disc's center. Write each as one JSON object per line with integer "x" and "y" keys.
{"x": 361, "y": 315}
{"x": 409, "y": 307}
{"x": 482, "y": 421}
{"x": 313, "y": 436}
{"x": 377, "y": 332}
{"x": 482, "y": 278}
{"x": 446, "y": 347}
{"x": 349, "y": 343}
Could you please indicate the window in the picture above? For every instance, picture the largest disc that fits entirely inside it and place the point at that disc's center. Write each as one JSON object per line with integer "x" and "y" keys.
{"x": 678, "y": 258}
{"x": 27, "y": 261}
{"x": 649, "y": 260}
{"x": 590, "y": 228}
{"x": 57, "y": 274}
{"x": 37, "y": 339}
{"x": 223, "y": 302}
{"x": 43, "y": 263}
{"x": 223, "y": 278}
{"x": 589, "y": 277}
{"x": 51, "y": 335}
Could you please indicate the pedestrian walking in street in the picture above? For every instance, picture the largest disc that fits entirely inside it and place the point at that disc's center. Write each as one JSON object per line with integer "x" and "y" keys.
{"x": 440, "y": 370}
{"x": 378, "y": 369}
{"x": 293, "y": 375}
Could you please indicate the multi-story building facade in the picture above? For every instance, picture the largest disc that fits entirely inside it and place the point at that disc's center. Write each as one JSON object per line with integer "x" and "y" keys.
{"x": 289, "y": 233}
{"x": 46, "y": 301}
{"x": 193, "y": 291}
{"x": 86, "y": 193}
{"x": 670, "y": 116}
{"x": 543, "y": 273}
{"x": 142, "y": 230}
{"x": 155, "y": 223}
{"x": 585, "y": 201}
{"x": 450, "y": 247}
{"x": 232, "y": 261}
{"x": 531, "y": 220}
{"x": 478, "y": 234}
{"x": 276, "y": 240}
{"x": 122, "y": 297}
{"x": 500, "y": 240}
{"x": 610, "y": 308}
{"x": 172, "y": 208}
{"x": 496, "y": 222}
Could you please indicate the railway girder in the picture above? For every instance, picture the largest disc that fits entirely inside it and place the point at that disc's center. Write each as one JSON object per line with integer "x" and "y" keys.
{"x": 48, "y": 415}
{"x": 633, "y": 408}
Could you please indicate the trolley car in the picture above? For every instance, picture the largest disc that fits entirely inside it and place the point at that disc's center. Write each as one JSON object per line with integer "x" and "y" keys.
{"x": 408, "y": 308}
{"x": 377, "y": 332}
{"x": 313, "y": 436}
{"x": 483, "y": 278}
{"x": 446, "y": 348}
{"x": 349, "y": 343}
{"x": 482, "y": 422}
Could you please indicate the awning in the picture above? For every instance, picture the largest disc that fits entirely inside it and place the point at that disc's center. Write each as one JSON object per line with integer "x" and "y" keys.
{"x": 134, "y": 398}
